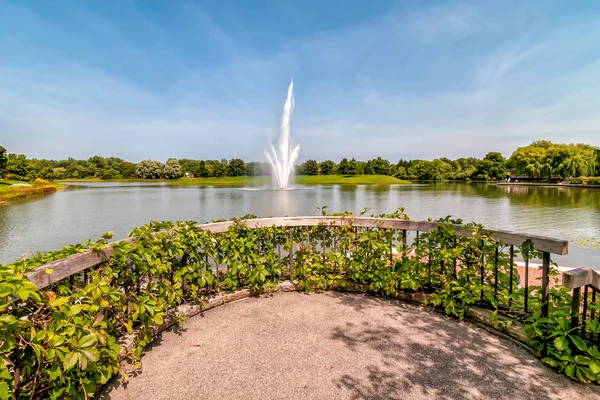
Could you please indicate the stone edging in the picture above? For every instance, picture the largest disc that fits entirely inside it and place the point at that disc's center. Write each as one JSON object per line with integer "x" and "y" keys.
{"x": 513, "y": 331}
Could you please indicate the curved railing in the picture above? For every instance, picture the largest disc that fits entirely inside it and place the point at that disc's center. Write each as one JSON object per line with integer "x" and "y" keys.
{"x": 130, "y": 285}
{"x": 77, "y": 263}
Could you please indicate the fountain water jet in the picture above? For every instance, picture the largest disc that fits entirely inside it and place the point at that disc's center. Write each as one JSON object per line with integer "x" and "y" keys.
{"x": 282, "y": 159}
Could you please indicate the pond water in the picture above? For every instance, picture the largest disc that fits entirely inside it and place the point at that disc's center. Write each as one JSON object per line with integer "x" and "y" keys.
{"x": 85, "y": 211}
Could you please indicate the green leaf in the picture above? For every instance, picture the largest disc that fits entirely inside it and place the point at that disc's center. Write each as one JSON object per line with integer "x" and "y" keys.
{"x": 83, "y": 362}
{"x": 579, "y": 342}
{"x": 54, "y": 372}
{"x": 92, "y": 354}
{"x": 4, "y": 391}
{"x": 595, "y": 367}
{"x": 87, "y": 341}
{"x": 582, "y": 360}
{"x": 561, "y": 343}
{"x": 76, "y": 309}
{"x": 23, "y": 293}
{"x": 70, "y": 360}
{"x": 8, "y": 319}
{"x": 59, "y": 302}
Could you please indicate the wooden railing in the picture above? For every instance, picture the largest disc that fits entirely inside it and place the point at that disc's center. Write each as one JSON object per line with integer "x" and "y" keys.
{"x": 585, "y": 283}
{"x": 53, "y": 272}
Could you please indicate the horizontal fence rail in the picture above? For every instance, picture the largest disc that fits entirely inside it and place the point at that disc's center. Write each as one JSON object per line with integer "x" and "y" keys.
{"x": 585, "y": 284}
{"x": 50, "y": 273}
{"x": 132, "y": 285}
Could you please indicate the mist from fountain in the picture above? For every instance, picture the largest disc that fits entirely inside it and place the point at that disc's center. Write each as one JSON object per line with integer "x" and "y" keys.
{"x": 283, "y": 157}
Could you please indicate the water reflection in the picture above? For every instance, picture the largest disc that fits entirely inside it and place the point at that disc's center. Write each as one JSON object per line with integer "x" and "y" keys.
{"x": 76, "y": 215}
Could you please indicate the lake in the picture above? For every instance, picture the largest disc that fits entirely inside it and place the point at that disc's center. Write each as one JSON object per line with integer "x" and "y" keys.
{"x": 85, "y": 211}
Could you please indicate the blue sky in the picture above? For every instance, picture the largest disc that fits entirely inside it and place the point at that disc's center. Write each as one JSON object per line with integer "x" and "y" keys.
{"x": 207, "y": 79}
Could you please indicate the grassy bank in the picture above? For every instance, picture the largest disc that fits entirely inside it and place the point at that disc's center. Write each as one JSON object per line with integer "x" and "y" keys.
{"x": 8, "y": 182}
{"x": 264, "y": 180}
{"x": 300, "y": 180}
{"x": 112, "y": 180}
{"x": 10, "y": 193}
{"x": 348, "y": 180}
{"x": 222, "y": 181}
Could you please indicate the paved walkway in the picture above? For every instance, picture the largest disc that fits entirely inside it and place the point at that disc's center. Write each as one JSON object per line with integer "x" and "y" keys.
{"x": 338, "y": 346}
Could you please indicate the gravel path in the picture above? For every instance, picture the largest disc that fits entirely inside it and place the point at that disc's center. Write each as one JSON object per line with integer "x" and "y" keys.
{"x": 338, "y": 346}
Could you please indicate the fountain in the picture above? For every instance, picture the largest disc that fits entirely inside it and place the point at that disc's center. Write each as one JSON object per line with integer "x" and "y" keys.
{"x": 282, "y": 159}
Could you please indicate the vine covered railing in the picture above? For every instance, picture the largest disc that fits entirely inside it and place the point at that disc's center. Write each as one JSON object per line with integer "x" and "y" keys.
{"x": 62, "y": 313}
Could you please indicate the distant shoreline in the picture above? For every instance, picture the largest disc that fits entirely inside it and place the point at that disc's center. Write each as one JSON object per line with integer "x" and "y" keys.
{"x": 262, "y": 180}
{"x": 19, "y": 192}
{"x": 576, "y": 185}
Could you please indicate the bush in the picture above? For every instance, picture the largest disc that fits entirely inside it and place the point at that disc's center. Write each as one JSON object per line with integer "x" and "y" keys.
{"x": 40, "y": 182}
{"x": 593, "y": 181}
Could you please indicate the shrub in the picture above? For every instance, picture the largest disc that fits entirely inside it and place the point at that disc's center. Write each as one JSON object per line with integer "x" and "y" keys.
{"x": 593, "y": 181}
{"x": 40, "y": 181}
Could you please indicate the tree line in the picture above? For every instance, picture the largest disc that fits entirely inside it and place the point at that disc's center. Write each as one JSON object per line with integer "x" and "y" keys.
{"x": 539, "y": 160}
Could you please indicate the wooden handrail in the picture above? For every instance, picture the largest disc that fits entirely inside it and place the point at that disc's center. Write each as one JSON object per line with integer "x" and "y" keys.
{"x": 47, "y": 274}
{"x": 581, "y": 277}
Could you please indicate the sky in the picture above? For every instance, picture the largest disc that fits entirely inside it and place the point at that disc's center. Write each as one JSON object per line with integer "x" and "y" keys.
{"x": 208, "y": 79}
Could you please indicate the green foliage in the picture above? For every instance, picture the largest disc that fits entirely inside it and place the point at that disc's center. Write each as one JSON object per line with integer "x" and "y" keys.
{"x": 172, "y": 169}
{"x": 327, "y": 167}
{"x": 377, "y": 166}
{"x": 62, "y": 341}
{"x": 541, "y": 159}
{"x": 17, "y": 167}
{"x": 149, "y": 169}
{"x": 563, "y": 346}
{"x": 3, "y": 162}
{"x": 347, "y": 167}
{"x": 309, "y": 167}
{"x": 544, "y": 159}
{"x": 236, "y": 167}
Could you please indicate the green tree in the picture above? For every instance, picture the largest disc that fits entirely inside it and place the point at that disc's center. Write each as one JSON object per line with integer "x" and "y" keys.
{"x": 16, "y": 167}
{"x": 3, "y": 162}
{"x": 401, "y": 172}
{"x": 309, "y": 167}
{"x": 149, "y": 169}
{"x": 219, "y": 168}
{"x": 494, "y": 166}
{"x": 377, "y": 166}
{"x": 327, "y": 167}
{"x": 347, "y": 167}
{"x": 59, "y": 173}
{"x": 127, "y": 170}
{"x": 236, "y": 167}
{"x": 528, "y": 160}
{"x": 172, "y": 169}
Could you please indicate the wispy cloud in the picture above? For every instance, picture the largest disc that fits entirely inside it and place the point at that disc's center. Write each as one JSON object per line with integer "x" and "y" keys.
{"x": 452, "y": 80}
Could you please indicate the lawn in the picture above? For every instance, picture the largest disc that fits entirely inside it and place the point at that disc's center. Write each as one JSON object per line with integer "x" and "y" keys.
{"x": 348, "y": 180}
{"x": 300, "y": 180}
{"x": 11, "y": 193}
{"x": 222, "y": 181}
{"x": 8, "y": 182}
